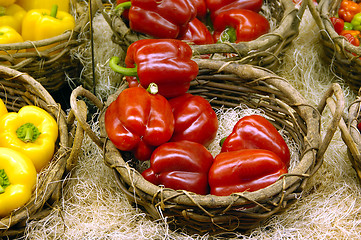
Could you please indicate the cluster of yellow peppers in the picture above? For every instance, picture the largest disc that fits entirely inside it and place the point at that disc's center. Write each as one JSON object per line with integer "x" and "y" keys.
{"x": 32, "y": 20}
{"x": 27, "y": 145}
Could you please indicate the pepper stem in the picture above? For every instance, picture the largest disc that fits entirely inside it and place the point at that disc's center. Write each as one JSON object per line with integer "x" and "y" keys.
{"x": 28, "y": 132}
{"x": 228, "y": 35}
{"x": 2, "y": 11}
{"x": 54, "y": 10}
{"x": 4, "y": 181}
{"x": 222, "y": 141}
{"x": 113, "y": 64}
{"x": 152, "y": 88}
{"x": 123, "y": 5}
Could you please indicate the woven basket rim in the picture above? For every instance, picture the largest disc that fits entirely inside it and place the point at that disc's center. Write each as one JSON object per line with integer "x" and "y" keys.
{"x": 56, "y": 168}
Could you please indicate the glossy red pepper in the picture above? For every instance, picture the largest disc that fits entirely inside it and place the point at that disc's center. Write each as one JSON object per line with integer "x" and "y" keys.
{"x": 352, "y": 36}
{"x": 348, "y": 9}
{"x": 194, "y": 118}
{"x": 201, "y": 8}
{"x": 166, "y": 62}
{"x": 217, "y": 6}
{"x": 256, "y": 132}
{"x": 139, "y": 121}
{"x": 160, "y": 19}
{"x": 197, "y": 33}
{"x": 338, "y": 24}
{"x": 182, "y": 165}
{"x": 244, "y": 170}
{"x": 241, "y": 25}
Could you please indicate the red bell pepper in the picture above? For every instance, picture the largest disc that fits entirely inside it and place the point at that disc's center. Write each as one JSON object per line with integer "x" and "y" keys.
{"x": 160, "y": 19}
{"x": 194, "y": 118}
{"x": 197, "y": 33}
{"x": 244, "y": 170}
{"x": 338, "y": 24}
{"x": 239, "y": 25}
{"x": 201, "y": 8}
{"x": 256, "y": 132}
{"x": 182, "y": 165}
{"x": 348, "y": 9}
{"x": 352, "y": 36}
{"x": 165, "y": 62}
{"x": 139, "y": 121}
{"x": 217, "y": 6}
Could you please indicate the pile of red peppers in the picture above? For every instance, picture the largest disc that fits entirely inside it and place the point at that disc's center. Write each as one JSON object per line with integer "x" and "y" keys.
{"x": 196, "y": 21}
{"x": 159, "y": 121}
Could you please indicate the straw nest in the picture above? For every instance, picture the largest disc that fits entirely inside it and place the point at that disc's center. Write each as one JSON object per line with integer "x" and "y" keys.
{"x": 229, "y": 85}
{"x": 341, "y": 55}
{"x": 51, "y": 62}
{"x": 266, "y": 51}
{"x": 19, "y": 89}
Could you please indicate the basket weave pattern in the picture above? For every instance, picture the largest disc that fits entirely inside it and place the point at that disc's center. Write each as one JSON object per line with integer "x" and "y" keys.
{"x": 19, "y": 89}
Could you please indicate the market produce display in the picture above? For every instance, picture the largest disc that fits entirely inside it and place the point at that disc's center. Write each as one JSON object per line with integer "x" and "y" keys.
{"x": 196, "y": 135}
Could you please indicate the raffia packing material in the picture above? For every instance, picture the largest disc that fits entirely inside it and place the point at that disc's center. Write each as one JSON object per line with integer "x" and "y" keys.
{"x": 266, "y": 51}
{"x": 228, "y": 85}
{"x": 54, "y": 65}
{"x": 20, "y": 89}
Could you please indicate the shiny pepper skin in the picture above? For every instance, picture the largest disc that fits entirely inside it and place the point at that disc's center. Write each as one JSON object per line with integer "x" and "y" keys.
{"x": 244, "y": 170}
{"x": 161, "y": 19}
{"x": 256, "y": 132}
{"x": 139, "y": 121}
{"x": 348, "y": 9}
{"x": 181, "y": 165}
{"x": 195, "y": 120}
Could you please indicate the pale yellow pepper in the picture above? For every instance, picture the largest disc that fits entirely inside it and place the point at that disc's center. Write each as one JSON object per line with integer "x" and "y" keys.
{"x": 12, "y": 16}
{"x": 3, "y": 109}
{"x": 41, "y": 24}
{"x": 17, "y": 179}
{"x": 36, "y": 4}
{"x": 31, "y": 131}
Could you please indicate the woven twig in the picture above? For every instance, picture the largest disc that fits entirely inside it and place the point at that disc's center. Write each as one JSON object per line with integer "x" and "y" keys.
{"x": 342, "y": 56}
{"x": 49, "y": 66}
{"x": 266, "y": 51}
{"x": 229, "y": 85}
{"x": 19, "y": 89}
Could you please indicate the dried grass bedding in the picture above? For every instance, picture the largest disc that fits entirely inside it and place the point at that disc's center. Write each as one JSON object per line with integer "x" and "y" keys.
{"x": 92, "y": 206}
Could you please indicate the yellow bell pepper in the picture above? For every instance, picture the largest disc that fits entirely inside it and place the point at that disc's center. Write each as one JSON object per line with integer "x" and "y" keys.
{"x": 12, "y": 16}
{"x": 41, "y": 24}
{"x": 6, "y": 3}
{"x": 31, "y": 131}
{"x": 3, "y": 109}
{"x": 17, "y": 179}
{"x": 36, "y": 4}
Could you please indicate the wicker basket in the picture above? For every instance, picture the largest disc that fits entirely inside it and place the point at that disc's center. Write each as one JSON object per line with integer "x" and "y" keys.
{"x": 338, "y": 52}
{"x": 50, "y": 66}
{"x": 18, "y": 90}
{"x": 228, "y": 85}
{"x": 351, "y": 135}
{"x": 265, "y": 51}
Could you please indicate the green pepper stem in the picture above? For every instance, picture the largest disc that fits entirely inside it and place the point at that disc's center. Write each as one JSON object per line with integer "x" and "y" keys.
{"x": 228, "y": 35}
{"x": 152, "y": 88}
{"x": 28, "y": 132}
{"x": 2, "y": 11}
{"x": 124, "y": 5}
{"x": 4, "y": 181}
{"x": 54, "y": 10}
{"x": 113, "y": 64}
{"x": 222, "y": 141}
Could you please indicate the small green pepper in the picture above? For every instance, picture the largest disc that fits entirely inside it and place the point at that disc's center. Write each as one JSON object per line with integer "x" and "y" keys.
{"x": 356, "y": 22}
{"x": 347, "y": 26}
